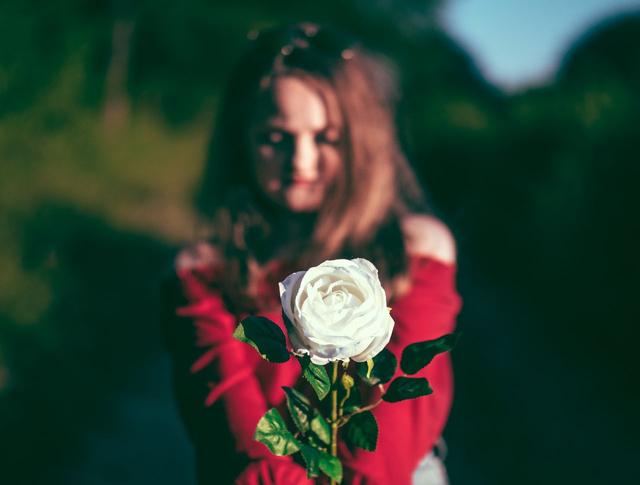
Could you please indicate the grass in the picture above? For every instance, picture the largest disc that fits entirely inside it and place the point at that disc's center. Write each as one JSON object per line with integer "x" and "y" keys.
{"x": 136, "y": 177}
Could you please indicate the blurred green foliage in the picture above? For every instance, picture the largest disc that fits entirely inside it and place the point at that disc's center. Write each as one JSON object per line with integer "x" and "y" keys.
{"x": 105, "y": 113}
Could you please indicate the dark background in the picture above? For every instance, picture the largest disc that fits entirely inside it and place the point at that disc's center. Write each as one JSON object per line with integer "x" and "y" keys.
{"x": 105, "y": 112}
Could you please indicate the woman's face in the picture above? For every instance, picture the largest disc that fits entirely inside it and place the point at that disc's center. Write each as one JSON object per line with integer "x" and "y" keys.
{"x": 295, "y": 146}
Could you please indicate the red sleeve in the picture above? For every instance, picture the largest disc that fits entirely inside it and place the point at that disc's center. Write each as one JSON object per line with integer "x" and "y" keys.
{"x": 409, "y": 429}
{"x": 218, "y": 392}
{"x": 274, "y": 471}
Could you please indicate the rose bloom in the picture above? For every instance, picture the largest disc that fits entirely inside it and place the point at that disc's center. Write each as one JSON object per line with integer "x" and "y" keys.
{"x": 337, "y": 311}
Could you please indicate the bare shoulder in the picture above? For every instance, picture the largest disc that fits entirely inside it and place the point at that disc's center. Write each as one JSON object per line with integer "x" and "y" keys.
{"x": 426, "y": 235}
{"x": 197, "y": 256}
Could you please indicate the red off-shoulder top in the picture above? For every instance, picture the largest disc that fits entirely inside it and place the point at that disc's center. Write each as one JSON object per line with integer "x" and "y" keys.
{"x": 223, "y": 387}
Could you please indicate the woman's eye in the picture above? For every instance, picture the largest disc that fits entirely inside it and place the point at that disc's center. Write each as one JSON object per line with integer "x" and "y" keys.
{"x": 272, "y": 137}
{"x": 276, "y": 137}
{"x": 328, "y": 137}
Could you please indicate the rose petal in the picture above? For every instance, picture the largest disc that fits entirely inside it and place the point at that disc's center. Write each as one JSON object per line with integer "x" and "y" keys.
{"x": 338, "y": 310}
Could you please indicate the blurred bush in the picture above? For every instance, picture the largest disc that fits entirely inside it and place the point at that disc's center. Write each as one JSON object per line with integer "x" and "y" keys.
{"x": 105, "y": 112}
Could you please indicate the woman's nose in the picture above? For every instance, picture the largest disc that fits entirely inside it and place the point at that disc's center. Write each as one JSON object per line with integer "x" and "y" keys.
{"x": 305, "y": 157}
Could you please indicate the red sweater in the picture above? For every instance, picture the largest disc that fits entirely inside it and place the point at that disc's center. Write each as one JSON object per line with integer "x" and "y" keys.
{"x": 224, "y": 387}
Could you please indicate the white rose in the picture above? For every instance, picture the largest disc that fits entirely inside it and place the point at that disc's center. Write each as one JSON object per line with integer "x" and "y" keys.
{"x": 338, "y": 311}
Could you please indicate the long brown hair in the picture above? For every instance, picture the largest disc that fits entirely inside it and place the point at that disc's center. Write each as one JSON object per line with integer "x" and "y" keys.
{"x": 361, "y": 217}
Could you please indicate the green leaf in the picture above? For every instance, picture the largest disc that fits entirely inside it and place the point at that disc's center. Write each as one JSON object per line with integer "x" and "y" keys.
{"x": 306, "y": 417}
{"x": 299, "y": 408}
{"x": 384, "y": 367}
{"x": 362, "y": 431}
{"x": 316, "y": 375}
{"x": 311, "y": 460}
{"x": 331, "y": 466}
{"x": 418, "y": 355}
{"x": 273, "y": 433}
{"x": 354, "y": 401}
{"x": 407, "y": 388}
{"x": 264, "y": 336}
{"x": 370, "y": 364}
{"x": 316, "y": 459}
{"x": 321, "y": 428}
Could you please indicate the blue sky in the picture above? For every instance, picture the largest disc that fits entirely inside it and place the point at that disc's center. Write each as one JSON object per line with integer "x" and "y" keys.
{"x": 520, "y": 42}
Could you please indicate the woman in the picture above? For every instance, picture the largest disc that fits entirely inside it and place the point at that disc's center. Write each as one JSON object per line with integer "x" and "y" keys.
{"x": 305, "y": 166}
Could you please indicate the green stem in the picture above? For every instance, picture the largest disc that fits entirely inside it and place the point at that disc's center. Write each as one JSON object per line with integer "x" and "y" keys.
{"x": 344, "y": 400}
{"x": 334, "y": 413}
{"x": 344, "y": 419}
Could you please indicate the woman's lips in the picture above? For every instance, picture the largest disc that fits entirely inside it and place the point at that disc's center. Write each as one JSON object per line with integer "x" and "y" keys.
{"x": 302, "y": 182}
